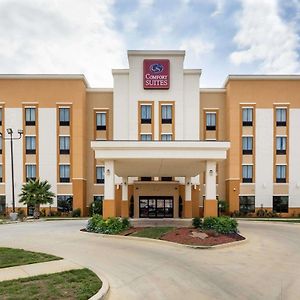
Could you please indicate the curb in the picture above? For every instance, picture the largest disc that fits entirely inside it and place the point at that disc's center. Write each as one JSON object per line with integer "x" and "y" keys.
{"x": 104, "y": 290}
{"x": 149, "y": 240}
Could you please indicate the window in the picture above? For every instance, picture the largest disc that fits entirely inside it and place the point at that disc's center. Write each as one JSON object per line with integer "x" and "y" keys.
{"x": 30, "y": 116}
{"x": 146, "y": 178}
{"x": 247, "y": 116}
{"x": 64, "y": 173}
{"x": 280, "y": 145}
{"x": 146, "y": 114}
{"x": 30, "y": 145}
{"x": 166, "y": 178}
{"x": 64, "y": 203}
{"x": 30, "y": 172}
{"x": 166, "y": 114}
{"x": 280, "y": 116}
{"x": 280, "y": 173}
{"x": 247, "y": 204}
{"x": 1, "y": 174}
{"x": 2, "y": 205}
{"x": 98, "y": 198}
{"x": 100, "y": 174}
{"x": 101, "y": 121}
{"x": 64, "y": 145}
{"x": 166, "y": 137}
{"x": 247, "y": 173}
{"x": 281, "y": 204}
{"x": 146, "y": 137}
{"x": 64, "y": 116}
{"x": 210, "y": 121}
{"x": 247, "y": 145}
{"x": 0, "y": 119}
{"x": 0, "y": 146}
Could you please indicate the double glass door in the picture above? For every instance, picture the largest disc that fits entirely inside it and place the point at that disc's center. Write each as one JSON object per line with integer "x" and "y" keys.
{"x": 156, "y": 206}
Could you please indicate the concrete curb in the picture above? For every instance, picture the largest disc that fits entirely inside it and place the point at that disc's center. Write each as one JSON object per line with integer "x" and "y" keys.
{"x": 149, "y": 240}
{"x": 104, "y": 290}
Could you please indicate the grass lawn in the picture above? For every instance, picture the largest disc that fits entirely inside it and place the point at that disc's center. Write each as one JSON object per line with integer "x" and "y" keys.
{"x": 153, "y": 232}
{"x": 75, "y": 284}
{"x": 15, "y": 257}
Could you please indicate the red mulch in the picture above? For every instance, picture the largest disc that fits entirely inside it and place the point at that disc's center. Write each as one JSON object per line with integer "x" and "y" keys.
{"x": 183, "y": 236}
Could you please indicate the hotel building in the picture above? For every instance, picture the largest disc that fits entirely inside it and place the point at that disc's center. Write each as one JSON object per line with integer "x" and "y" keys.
{"x": 156, "y": 145}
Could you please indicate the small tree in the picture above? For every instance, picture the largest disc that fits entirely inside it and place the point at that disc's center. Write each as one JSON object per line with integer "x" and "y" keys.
{"x": 35, "y": 193}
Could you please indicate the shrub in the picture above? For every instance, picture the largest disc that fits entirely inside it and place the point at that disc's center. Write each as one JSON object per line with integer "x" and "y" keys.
{"x": 109, "y": 226}
{"x": 197, "y": 222}
{"x": 222, "y": 224}
{"x": 21, "y": 214}
{"x": 264, "y": 213}
{"x": 223, "y": 206}
{"x": 76, "y": 213}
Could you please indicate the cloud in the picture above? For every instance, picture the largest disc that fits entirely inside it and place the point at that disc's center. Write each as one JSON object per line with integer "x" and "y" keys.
{"x": 265, "y": 38}
{"x": 196, "y": 46}
{"x": 219, "y": 8}
{"x": 69, "y": 36}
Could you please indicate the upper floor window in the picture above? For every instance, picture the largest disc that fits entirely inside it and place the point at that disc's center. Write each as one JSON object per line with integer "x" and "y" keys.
{"x": 64, "y": 145}
{"x": 247, "y": 116}
{"x": 210, "y": 121}
{"x": 146, "y": 137}
{"x": 166, "y": 137}
{"x": 146, "y": 114}
{"x": 100, "y": 174}
{"x": 247, "y": 145}
{"x": 30, "y": 116}
{"x": 64, "y": 173}
{"x": 1, "y": 174}
{"x": 64, "y": 116}
{"x": 30, "y": 144}
{"x": 101, "y": 121}
{"x": 0, "y": 146}
{"x": 281, "y": 173}
{"x": 1, "y": 117}
{"x": 280, "y": 116}
{"x": 166, "y": 114}
{"x": 146, "y": 178}
{"x": 280, "y": 145}
{"x": 247, "y": 173}
{"x": 30, "y": 172}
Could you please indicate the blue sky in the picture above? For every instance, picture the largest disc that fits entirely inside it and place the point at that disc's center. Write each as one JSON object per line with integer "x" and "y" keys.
{"x": 91, "y": 36}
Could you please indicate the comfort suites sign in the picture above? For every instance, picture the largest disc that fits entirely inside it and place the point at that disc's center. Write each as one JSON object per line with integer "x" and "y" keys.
{"x": 156, "y": 74}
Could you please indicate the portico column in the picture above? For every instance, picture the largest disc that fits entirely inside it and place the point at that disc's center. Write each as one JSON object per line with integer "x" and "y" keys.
{"x": 188, "y": 198}
{"x": 124, "y": 207}
{"x": 109, "y": 206}
{"x": 210, "y": 203}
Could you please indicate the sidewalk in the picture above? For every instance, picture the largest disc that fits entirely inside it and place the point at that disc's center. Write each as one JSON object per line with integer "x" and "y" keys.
{"x": 49, "y": 267}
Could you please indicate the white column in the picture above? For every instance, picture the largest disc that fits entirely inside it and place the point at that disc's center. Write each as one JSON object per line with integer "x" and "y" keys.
{"x": 125, "y": 189}
{"x": 188, "y": 189}
{"x": 210, "y": 183}
{"x": 109, "y": 182}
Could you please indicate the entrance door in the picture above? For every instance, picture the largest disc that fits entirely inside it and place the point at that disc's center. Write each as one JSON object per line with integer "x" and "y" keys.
{"x": 156, "y": 207}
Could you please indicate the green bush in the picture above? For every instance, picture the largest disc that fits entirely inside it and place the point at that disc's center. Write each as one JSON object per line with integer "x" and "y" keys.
{"x": 223, "y": 206}
{"x": 197, "y": 222}
{"x": 264, "y": 213}
{"x": 109, "y": 226}
{"x": 220, "y": 224}
{"x": 76, "y": 213}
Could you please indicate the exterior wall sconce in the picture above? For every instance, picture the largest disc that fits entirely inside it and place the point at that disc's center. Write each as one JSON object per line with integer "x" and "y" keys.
{"x": 234, "y": 189}
{"x": 108, "y": 172}
{"x": 211, "y": 172}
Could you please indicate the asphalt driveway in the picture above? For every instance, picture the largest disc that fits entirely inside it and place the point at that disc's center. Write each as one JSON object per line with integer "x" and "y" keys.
{"x": 265, "y": 267}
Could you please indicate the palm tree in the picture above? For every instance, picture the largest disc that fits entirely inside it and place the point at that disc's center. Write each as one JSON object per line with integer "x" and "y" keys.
{"x": 35, "y": 193}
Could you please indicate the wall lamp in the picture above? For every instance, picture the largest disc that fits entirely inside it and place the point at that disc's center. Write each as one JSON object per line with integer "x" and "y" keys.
{"x": 211, "y": 172}
{"x": 108, "y": 172}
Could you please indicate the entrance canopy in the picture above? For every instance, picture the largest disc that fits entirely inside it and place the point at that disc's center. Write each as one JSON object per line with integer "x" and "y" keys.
{"x": 159, "y": 158}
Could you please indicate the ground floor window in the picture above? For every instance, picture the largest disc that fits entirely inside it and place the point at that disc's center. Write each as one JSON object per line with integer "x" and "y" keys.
{"x": 64, "y": 203}
{"x": 2, "y": 205}
{"x": 30, "y": 210}
{"x": 281, "y": 204}
{"x": 247, "y": 204}
{"x": 97, "y": 205}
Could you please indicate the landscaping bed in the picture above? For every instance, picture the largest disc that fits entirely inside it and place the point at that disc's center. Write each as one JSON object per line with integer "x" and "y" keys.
{"x": 74, "y": 284}
{"x": 10, "y": 257}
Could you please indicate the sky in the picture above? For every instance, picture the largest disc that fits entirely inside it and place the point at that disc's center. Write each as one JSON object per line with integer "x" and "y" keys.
{"x": 91, "y": 37}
